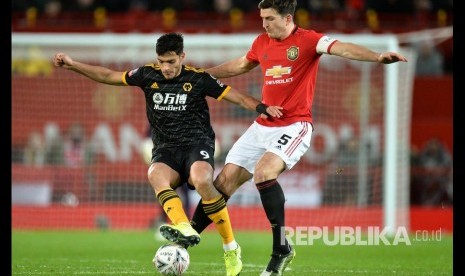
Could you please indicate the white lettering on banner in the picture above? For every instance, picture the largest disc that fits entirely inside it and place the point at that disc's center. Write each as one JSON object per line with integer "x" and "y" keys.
{"x": 129, "y": 140}
{"x": 301, "y": 189}
{"x": 121, "y": 148}
{"x": 104, "y": 142}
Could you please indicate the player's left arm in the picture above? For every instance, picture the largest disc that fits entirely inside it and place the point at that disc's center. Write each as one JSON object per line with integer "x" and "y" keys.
{"x": 250, "y": 103}
{"x": 358, "y": 52}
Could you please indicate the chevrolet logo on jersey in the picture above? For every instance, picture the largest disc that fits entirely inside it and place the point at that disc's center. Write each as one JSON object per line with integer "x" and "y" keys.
{"x": 278, "y": 71}
{"x": 187, "y": 87}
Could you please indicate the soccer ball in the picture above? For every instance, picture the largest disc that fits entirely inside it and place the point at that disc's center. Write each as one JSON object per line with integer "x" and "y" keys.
{"x": 171, "y": 259}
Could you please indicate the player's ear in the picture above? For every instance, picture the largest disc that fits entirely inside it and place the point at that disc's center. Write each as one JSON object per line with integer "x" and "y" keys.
{"x": 289, "y": 19}
{"x": 182, "y": 55}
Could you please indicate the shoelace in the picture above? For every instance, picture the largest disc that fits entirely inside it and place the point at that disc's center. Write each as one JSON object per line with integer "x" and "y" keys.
{"x": 230, "y": 256}
{"x": 230, "y": 253}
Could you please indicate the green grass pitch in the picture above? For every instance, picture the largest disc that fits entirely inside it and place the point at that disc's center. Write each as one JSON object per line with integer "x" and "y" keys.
{"x": 130, "y": 253}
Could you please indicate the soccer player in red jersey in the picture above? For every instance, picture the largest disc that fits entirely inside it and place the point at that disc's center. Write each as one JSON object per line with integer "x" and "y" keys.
{"x": 289, "y": 58}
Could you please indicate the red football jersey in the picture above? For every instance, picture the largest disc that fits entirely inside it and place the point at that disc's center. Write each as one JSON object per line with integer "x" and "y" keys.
{"x": 289, "y": 69}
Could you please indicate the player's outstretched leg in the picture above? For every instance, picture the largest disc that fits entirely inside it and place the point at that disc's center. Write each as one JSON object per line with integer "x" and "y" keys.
{"x": 182, "y": 234}
{"x": 278, "y": 263}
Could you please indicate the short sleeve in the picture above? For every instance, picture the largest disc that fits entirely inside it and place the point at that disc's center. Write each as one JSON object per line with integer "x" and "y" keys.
{"x": 252, "y": 54}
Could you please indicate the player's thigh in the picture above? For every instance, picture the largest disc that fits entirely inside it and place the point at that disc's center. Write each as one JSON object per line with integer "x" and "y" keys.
{"x": 162, "y": 176}
{"x": 199, "y": 165}
{"x": 166, "y": 169}
{"x": 270, "y": 166}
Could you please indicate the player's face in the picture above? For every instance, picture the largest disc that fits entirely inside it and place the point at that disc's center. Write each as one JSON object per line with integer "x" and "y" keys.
{"x": 170, "y": 64}
{"x": 274, "y": 24}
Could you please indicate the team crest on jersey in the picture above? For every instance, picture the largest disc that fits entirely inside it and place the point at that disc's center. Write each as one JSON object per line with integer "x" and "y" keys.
{"x": 187, "y": 87}
{"x": 157, "y": 98}
{"x": 293, "y": 53}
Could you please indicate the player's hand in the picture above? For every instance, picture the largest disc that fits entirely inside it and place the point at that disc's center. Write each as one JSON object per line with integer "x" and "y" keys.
{"x": 62, "y": 60}
{"x": 390, "y": 57}
{"x": 274, "y": 111}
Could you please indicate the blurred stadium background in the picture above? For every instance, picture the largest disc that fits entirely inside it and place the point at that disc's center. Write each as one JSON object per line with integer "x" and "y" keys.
{"x": 78, "y": 147}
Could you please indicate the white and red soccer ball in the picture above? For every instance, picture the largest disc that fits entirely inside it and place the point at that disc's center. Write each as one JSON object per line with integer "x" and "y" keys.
{"x": 171, "y": 259}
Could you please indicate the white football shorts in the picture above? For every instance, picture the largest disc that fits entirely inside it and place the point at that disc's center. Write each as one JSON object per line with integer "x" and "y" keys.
{"x": 288, "y": 142}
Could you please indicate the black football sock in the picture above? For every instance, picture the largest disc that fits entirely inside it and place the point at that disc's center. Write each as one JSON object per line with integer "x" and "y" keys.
{"x": 200, "y": 220}
{"x": 272, "y": 197}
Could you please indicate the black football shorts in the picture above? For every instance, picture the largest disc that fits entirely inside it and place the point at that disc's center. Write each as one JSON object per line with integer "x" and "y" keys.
{"x": 181, "y": 158}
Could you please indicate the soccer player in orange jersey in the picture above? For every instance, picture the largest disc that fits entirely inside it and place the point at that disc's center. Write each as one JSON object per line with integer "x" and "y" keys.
{"x": 288, "y": 56}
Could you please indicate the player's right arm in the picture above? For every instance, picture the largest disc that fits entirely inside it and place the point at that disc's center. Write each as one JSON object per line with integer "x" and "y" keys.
{"x": 232, "y": 68}
{"x": 96, "y": 73}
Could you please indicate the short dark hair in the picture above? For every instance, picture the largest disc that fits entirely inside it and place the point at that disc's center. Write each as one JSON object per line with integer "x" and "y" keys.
{"x": 283, "y": 7}
{"x": 170, "y": 42}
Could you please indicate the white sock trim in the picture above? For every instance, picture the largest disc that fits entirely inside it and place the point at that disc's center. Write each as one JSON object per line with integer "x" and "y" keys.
{"x": 230, "y": 246}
